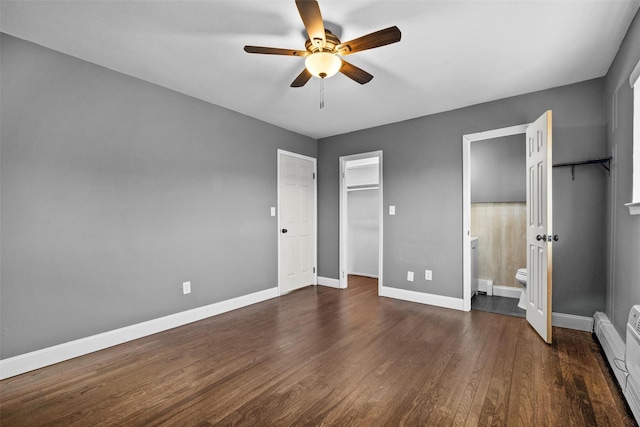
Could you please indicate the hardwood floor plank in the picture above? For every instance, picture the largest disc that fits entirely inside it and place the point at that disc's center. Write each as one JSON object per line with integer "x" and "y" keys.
{"x": 323, "y": 356}
{"x": 519, "y": 367}
{"x": 483, "y": 371}
{"x": 495, "y": 407}
{"x": 523, "y": 393}
{"x": 573, "y": 383}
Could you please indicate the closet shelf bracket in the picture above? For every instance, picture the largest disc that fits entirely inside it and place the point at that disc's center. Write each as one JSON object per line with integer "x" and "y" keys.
{"x": 605, "y": 162}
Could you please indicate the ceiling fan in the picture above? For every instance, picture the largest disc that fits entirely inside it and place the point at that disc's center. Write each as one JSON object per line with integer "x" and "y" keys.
{"x": 324, "y": 49}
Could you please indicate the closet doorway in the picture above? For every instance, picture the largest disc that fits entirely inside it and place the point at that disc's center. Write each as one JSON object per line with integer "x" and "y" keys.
{"x": 361, "y": 217}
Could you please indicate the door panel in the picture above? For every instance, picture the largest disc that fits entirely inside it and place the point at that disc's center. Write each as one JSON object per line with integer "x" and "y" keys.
{"x": 539, "y": 225}
{"x": 297, "y": 217}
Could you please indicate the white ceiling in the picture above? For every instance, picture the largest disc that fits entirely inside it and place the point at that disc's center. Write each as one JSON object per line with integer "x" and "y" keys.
{"x": 452, "y": 53}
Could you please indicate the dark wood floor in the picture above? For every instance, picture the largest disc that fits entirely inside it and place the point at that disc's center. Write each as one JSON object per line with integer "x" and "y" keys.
{"x": 322, "y": 356}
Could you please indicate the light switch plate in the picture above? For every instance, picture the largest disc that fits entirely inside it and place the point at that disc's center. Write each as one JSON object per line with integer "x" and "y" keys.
{"x": 186, "y": 288}
{"x": 273, "y": 211}
{"x": 410, "y": 276}
{"x": 392, "y": 210}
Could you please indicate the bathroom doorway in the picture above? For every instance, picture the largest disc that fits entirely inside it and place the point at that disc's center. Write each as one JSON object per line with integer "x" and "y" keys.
{"x": 539, "y": 220}
{"x": 494, "y": 207}
{"x": 498, "y": 223}
{"x": 361, "y": 217}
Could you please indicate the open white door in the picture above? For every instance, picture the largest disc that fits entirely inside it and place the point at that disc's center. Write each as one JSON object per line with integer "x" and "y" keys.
{"x": 297, "y": 224}
{"x": 539, "y": 225}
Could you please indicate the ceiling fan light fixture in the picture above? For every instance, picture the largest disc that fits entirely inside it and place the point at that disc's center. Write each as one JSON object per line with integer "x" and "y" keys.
{"x": 323, "y": 64}
{"x": 323, "y": 49}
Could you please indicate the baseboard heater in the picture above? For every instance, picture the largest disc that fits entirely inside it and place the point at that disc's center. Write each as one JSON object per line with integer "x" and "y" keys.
{"x": 623, "y": 359}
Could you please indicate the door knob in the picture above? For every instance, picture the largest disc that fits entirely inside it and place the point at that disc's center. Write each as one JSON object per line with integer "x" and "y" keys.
{"x": 284, "y": 230}
{"x": 555, "y": 238}
{"x": 543, "y": 238}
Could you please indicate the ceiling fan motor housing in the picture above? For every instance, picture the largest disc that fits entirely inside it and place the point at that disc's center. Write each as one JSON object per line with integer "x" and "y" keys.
{"x": 330, "y": 45}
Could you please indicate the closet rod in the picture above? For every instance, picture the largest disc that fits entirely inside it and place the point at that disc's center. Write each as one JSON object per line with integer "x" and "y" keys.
{"x": 600, "y": 161}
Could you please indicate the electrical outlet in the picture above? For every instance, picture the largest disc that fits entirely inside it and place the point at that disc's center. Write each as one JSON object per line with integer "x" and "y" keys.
{"x": 427, "y": 275}
{"x": 410, "y": 276}
{"x": 186, "y": 288}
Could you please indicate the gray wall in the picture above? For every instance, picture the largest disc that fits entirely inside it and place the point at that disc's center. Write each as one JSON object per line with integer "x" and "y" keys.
{"x": 498, "y": 170}
{"x": 115, "y": 191}
{"x": 423, "y": 178}
{"x": 623, "y": 237}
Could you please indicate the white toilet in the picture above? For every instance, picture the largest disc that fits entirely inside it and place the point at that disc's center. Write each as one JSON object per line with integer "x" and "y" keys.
{"x": 521, "y": 276}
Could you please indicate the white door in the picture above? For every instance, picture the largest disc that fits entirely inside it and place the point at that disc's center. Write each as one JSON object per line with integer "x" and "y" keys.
{"x": 297, "y": 246}
{"x": 539, "y": 225}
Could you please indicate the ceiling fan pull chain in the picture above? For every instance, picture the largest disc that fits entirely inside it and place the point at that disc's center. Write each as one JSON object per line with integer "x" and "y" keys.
{"x": 321, "y": 94}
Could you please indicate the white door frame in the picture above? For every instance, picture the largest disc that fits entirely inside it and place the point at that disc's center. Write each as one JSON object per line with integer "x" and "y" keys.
{"x": 315, "y": 212}
{"x": 343, "y": 216}
{"x": 466, "y": 200}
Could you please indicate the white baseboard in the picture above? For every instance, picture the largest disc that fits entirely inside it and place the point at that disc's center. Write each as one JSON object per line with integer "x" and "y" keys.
{"x": 507, "y": 291}
{"x": 326, "y": 281}
{"x": 375, "y": 276}
{"x": 48, "y": 356}
{"x": 571, "y": 321}
{"x": 422, "y": 298}
{"x": 485, "y": 285}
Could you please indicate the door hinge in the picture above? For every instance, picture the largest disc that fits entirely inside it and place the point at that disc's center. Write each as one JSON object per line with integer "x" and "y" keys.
{"x": 314, "y": 175}
{"x": 314, "y": 269}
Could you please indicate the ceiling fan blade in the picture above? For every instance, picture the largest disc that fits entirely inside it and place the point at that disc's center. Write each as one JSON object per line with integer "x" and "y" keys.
{"x": 312, "y": 18}
{"x": 275, "y": 51}
{"x": 355, "y": 73}
{"x": 370, "y": 41}
{"x": 302, "y": 79}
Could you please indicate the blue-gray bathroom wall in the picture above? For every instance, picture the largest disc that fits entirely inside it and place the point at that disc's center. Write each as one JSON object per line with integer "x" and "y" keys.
{"x": 498, "y": 170}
